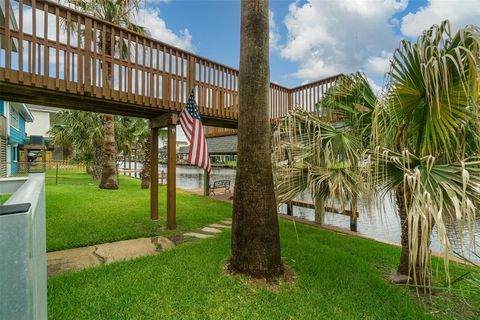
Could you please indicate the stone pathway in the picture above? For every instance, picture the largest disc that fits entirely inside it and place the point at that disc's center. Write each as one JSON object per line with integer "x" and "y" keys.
{"x": 87, "y": 257}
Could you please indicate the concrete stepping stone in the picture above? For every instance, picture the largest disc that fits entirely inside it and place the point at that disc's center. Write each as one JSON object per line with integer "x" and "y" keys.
{"x": 72, "y": 259}
{"x": 216, "y": 225}
{"x": 227, "y": 222}
{"x": 165, "y": 243}
{"x": 198, "y": 235}
{"x": 126, "y": 250}
{"x": 211, "y": 230}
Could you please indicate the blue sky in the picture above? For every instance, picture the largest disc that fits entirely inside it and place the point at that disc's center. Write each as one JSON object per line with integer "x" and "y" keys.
{"x": 310, "y": 39}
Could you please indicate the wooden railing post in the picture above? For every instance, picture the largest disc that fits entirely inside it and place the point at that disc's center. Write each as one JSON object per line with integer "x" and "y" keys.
{"x": 88, "y": 52}
{"x": 191, "y": 74}
{"x": 8, "y": 41}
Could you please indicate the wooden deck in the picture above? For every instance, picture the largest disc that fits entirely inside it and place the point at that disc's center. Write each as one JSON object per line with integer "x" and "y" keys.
{"x": 113, "y": 70}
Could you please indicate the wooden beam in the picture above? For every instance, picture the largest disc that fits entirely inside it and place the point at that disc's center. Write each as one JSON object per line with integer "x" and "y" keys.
{"x": 328, "y": 209}
{"x": 164, "y": 120}
{"x": 171, "y": 177}
{"x": 154, "y": 175}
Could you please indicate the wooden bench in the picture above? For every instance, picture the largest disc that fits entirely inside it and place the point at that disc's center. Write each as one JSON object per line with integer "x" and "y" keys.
{"x": 220, "y": 184}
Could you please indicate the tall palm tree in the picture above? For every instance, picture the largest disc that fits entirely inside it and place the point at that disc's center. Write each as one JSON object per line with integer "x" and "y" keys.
{"x": 427, "y": 132}
{"x": 255, "y": 232}
{"x": 119, "y": 12}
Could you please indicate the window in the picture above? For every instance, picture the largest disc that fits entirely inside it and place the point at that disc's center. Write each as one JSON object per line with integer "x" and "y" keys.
{"x": 14, "y": 118}
{"x": 15, "y": 153}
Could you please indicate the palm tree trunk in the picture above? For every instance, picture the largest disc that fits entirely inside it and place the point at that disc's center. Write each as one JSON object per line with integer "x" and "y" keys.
{"x": 145, "y": 173}
{"x": 109, "y": 165}
{"x": 405, "y": 267}
{"x": 97, "y": 162}
{"x": 255, "y": 237}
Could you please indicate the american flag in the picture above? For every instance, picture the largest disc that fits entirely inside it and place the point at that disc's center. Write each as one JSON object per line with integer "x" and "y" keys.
{"x": 192, "y": 126}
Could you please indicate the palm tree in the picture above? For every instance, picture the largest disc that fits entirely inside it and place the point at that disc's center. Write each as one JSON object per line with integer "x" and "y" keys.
{"x": 323, "y": 155}
{"x": 427, "y": 134}
{"x": 421, "y": 138}
{"x": 119, "y": 12}
{"x": 255, "y": 233}
{"x": 81, "y": 132}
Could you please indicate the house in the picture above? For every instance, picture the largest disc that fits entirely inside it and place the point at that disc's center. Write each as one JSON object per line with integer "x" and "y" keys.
{"x": 44, "y": 120}
{"x": 13, "y": 118}
{"x": 38, "y": 133}
{"x": 221, "y": 149}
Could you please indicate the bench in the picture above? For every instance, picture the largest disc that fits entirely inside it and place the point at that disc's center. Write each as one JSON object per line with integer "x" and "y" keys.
{"x": 220, "y": 184}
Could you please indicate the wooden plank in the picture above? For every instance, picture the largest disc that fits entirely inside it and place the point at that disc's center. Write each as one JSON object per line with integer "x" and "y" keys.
{"x": 57, "y": 50}
{"x": 129, "y": 70}
{"x": 309, "y": 205}
{"x": 164, "y": 120}
{"x": 137, "y": 69}
{"x": 144, "y": 82}
{"x": 69, "y": 52}
{"x": 20, "y": 40}
{"x": 87, "y": 55}
{"x": 8, "y": 41}
{"x": 46, "y": 50}
{"x": 34, "y": 41}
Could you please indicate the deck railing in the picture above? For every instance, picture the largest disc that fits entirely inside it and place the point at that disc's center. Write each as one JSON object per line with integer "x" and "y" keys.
{"x": 50, "y": 46}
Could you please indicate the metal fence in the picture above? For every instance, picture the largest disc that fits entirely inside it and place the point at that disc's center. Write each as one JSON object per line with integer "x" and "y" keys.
{"x": 23, "y": 288}
{"x": 55, "y": 171}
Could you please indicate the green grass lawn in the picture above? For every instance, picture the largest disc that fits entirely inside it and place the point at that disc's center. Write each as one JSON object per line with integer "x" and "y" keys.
{"x": 80, "y": 214}
{"x": 338, "y": 277}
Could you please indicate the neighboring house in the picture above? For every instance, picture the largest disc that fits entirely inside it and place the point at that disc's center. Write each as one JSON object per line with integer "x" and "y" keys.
{"x": 38, "y": 132}
{"x": 13, "y": 118}
{"x": 44, "y": 120}
{"x": 221, "y": 149}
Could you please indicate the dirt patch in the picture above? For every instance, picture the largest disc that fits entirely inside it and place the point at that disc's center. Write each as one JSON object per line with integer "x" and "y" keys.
{"x": 274, "y": 284}
{"x": 178, "y": 239}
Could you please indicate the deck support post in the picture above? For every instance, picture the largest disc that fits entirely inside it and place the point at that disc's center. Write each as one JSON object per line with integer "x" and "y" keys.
{"x": 169, "y": 120}
{"x": 206, "y": 183}
{"x": 289, "y": 208}
{"x": 171, "y": 177}
{"x": 154, "y": 175}
{"x": 319, "y": 210}
{"x": 353, "y": 215}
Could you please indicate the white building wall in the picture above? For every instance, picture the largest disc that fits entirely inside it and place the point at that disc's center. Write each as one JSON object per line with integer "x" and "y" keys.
{"x": 40, "y": 125}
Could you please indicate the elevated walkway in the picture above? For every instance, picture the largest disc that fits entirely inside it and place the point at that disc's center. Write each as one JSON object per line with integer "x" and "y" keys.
{"x": 114, "y": 70}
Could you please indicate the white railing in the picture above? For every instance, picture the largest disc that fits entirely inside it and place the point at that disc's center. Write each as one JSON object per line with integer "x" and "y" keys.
{"x": 23, "y": 272}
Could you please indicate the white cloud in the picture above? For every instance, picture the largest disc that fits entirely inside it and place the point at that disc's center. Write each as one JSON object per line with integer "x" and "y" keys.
{"x": 329, "y": 37}
{"x": 156, "y": 26}
{"x": 459, "y": 13}
{"x": 377, "y": 89}
{"x": 378, "y": 64}
{"x": 274, "y": 35}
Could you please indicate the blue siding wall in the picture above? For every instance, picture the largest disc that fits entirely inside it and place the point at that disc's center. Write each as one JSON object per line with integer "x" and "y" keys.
{"x": 17, "y": 136}
{"x": 1, "y": 108}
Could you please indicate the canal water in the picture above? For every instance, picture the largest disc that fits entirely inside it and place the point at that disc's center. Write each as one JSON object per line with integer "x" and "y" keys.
{"x": 382, "y": 224}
